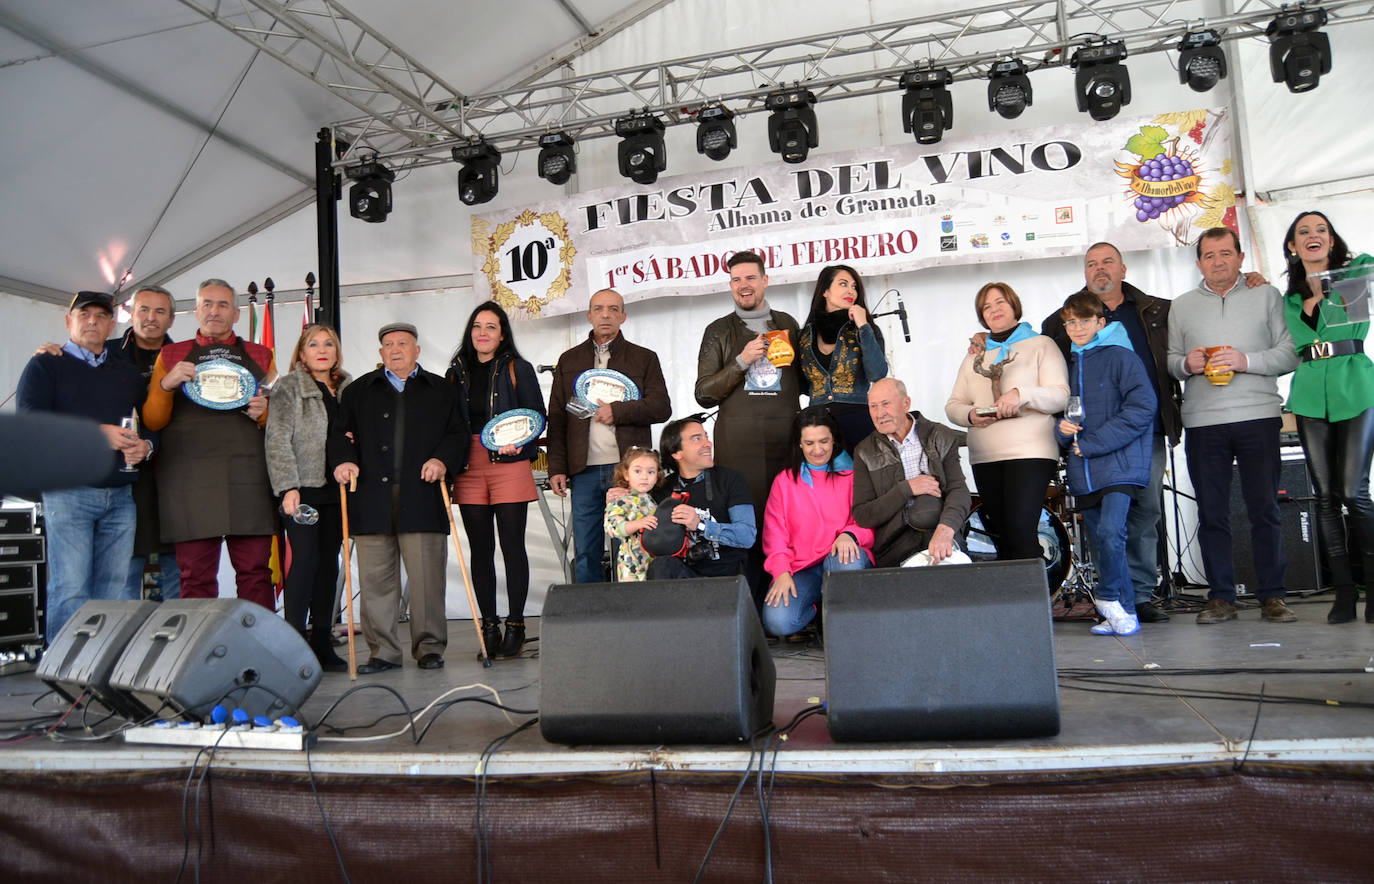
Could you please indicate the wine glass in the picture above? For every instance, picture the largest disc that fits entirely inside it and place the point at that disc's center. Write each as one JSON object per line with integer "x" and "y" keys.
{"x": 1073, "y": 413}
{"x": 129, "y": 423}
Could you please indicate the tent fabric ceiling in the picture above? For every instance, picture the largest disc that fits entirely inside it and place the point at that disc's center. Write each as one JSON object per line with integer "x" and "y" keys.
{"x": 109, "y": 110}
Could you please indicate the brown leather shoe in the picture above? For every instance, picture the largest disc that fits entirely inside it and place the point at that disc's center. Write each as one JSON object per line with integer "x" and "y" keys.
{"x": 1217, "y": 611}
{"x": 1276, "y": 611}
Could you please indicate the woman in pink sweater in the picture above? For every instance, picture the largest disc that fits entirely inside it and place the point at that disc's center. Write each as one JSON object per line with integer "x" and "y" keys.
{"x": 808, "y": 528}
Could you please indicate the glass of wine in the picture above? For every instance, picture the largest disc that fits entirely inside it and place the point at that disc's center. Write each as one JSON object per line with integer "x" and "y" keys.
{"x": 1073, "y": 412}
{"x": 129, "y": 423}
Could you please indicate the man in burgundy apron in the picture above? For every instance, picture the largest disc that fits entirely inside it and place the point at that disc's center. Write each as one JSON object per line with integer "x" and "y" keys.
{"x": 212, "y": 470}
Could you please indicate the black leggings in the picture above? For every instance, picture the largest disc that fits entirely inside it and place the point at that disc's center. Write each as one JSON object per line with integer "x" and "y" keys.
{"x": 509, "y": 521}
{"x": 1012, "y": 493}
{"x": 314, "y": 572}
{"x": 1338, "y": 456}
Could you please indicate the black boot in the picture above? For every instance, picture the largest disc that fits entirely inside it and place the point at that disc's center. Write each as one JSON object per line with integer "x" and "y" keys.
{"x": 515, "y": 638}
{"x": 1343, "y": 608}
{"x": 1343, "y": 579}
{"x": 491, "y": 636}
{"x": 322, "y": 643}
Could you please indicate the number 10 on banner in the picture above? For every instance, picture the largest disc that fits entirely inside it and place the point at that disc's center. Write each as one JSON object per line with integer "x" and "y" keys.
{"x": 529, "y": 260}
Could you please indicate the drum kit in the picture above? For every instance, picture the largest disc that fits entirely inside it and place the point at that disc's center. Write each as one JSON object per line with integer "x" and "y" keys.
{"x": 1069, "y": 569}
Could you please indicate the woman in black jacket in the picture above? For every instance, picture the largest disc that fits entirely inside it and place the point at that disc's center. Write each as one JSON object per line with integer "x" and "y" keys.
{"x": 493, "y": 494}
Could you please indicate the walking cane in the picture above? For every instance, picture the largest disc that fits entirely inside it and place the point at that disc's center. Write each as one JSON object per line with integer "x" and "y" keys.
{"x": 348, "y": 577}
{"x": 467, "y": 580}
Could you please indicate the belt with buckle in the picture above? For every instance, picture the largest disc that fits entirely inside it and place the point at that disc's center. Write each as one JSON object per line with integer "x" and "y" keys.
{"x": 1327, "y": 349}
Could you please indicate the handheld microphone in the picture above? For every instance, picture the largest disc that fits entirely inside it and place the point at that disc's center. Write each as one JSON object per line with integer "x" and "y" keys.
{"x": 548, "y": 368}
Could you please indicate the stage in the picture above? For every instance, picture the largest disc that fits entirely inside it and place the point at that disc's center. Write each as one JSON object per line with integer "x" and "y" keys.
{"x": 1169, "y": 766}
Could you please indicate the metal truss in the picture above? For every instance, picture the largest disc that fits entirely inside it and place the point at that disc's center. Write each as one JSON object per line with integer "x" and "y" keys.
{"x": 408, "y": 127}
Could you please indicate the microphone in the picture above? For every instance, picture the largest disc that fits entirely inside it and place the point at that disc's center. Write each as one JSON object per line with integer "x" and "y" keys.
{"x": 550, "y": 368}
{"x": 900, "y": 313}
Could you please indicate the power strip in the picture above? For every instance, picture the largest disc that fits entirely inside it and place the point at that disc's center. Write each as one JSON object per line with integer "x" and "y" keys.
{"x": 216, "y": 735}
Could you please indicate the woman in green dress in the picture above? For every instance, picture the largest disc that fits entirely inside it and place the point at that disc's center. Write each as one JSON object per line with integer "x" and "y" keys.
{"x": 1333, "y": 397}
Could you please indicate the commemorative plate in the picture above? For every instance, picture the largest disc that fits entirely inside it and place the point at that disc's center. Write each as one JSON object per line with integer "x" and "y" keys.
{"x": 605, "y": 385}
{"x": 517, "y": 427}
{"x": 221, "y": 385}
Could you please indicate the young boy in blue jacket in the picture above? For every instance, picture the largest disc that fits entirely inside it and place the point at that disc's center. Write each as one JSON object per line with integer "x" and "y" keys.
{"x": 1109, "y": 457}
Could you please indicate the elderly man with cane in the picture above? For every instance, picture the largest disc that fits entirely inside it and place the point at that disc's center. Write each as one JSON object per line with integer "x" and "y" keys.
{"x": 400, "y": 433}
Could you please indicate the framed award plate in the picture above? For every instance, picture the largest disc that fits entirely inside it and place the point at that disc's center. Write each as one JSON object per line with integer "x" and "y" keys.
{"x": 221, "y": 385}
{"x": 517, "y": 427}
{"x": 604, "y": 385}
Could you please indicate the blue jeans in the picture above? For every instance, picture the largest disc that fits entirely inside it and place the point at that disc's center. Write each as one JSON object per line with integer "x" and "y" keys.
{"x": 1142, "y": 529}
{"x": 588, "y": 509}
{"x": 90, "y": 542}
{"x": 171, "y": 576}
{"x": 793, "y": 617}
{"x": 1107, "y": 524}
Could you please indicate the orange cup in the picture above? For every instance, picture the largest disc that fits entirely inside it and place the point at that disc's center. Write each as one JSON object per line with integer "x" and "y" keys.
{"x": 1218, "y": 376}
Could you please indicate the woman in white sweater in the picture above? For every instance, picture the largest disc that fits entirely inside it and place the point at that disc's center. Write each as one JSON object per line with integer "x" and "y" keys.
{"x": 1008, "y": 394}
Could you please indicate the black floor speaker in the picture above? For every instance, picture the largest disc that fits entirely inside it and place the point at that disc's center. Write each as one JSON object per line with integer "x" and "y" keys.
{"x": 192, "y": 654}
{"x": 945, "y": 653}
{"x": 83, "y": 654}
{"x": 1297, "y": 519}
{"x": 658, "y": 662}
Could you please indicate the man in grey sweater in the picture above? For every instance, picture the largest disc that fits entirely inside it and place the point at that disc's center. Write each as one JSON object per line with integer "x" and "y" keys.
{"x": 1228, "y": 343}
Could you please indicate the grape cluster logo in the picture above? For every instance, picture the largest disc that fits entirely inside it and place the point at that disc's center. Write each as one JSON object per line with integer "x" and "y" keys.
{"x": 1169, "y": 179}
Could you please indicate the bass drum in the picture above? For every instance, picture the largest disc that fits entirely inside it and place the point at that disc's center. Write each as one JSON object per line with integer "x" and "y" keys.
{"x": 1054, "y": 546}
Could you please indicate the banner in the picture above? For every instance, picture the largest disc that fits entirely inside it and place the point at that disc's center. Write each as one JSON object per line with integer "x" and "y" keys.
{"x": 1140, "y": 183}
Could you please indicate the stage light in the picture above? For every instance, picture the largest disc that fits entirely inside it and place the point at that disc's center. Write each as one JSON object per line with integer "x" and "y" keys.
{"x": 557, "y": 162}
{"x": 1009, "y": 89}
{"x": 370, "y": 198}
{"x": 716, "y": 131}
{"x": 479, "y": 178}
{"x": 1102, "y": 84}
{"x": 1299, "y": 53}
{"x": 641, "y": 152}
{"x": 792, "y": 129}
{"x": 927, "y": 108}
{"x": 1201, "y": 61}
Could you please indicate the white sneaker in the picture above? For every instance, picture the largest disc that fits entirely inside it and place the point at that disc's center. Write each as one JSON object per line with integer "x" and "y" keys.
{"x": 1118, "y": 621}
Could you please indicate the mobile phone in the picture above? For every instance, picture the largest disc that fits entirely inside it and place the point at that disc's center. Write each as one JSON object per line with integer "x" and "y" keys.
{"x": 985, "y": 412}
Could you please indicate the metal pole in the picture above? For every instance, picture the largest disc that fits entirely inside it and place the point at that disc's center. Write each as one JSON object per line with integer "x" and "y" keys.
{"x": 327, "y": 229}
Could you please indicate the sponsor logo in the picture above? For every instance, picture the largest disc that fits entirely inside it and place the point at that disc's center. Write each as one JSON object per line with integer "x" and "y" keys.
{"x": 946, "y": 223}
{"x": 1030, "y": 236}
{"x": 999, "y": 220}
{"x": 1063, "y": 215}
{"x": 979, "y": 240}
{"x": 1006, "y": 238}
{"x": 949, "y": 243}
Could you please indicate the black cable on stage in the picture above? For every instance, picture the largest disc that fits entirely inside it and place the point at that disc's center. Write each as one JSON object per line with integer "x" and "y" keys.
{"x": 365, "y": 687}
{"x": 730, "y": 808}
{"x": 185, "y": 822}
{"x": 653, "y": 806}
{"x": 766, "y": 798}
{"x": 1239, "y": 765}
{"x": 329, "y": 830}
{"x": 480, "y": 785}
{"x": 444, "y": 707}
{"x": 334, "y": 729}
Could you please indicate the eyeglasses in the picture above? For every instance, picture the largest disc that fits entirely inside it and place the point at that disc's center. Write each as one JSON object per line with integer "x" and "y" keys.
{"x": 1080, "y": 323}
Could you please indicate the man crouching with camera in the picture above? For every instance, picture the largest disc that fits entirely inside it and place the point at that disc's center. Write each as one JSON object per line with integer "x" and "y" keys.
{"x": 713, "y": 508}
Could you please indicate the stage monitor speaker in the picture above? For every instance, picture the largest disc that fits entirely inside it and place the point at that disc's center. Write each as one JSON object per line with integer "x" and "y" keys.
{"x": 83, "y": 654}
{"x": 1297, "y": 519}
{"x": 659, "y": 662}
{"x": 940, "y": 653}
{"x": 192, "y": 654}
